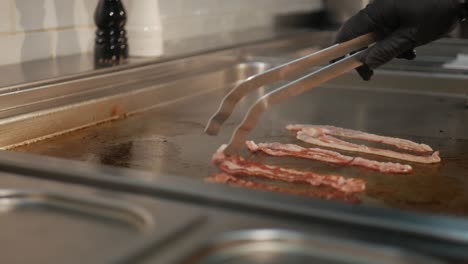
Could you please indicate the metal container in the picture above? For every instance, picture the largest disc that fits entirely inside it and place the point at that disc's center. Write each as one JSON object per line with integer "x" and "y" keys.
{"x": 341, "y": 10}
{"x": 282, "y": 246}
{"x": 50, "y": 222}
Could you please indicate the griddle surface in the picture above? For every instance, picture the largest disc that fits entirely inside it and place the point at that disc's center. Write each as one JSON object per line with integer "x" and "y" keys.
{"x": 169, "y": 140}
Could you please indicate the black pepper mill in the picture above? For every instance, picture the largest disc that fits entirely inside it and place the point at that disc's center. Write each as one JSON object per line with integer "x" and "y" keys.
{"x": 111, "y": 46}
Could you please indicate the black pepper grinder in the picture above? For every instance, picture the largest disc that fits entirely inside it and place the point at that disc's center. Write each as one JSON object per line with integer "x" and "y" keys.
{"x": 111, "y": 46}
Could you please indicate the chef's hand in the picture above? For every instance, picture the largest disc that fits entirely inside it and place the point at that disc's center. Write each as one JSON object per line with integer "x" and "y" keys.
{"x": 401, "y": 26}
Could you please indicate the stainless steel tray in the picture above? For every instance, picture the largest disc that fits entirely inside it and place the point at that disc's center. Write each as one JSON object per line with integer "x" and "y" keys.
{"x": 282, "y": 246}
{"x": 45, "y": 222}
{"x": 53, "y": 227}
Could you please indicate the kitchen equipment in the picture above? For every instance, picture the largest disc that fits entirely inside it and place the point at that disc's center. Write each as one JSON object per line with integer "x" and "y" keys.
{"x": 339, "y": 11}
{"x": 96, "y": 215}
{"x": 291, "y": 89}
{"x": 166, "y": 137}
{"x": 111, "y": 37}
{"x": 145, "y": 29}
{"x": 51, "y": 222}
{"x": 282, "y": 246}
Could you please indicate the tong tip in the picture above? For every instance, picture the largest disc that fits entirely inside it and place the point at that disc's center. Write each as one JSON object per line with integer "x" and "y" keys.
{"x": 212, "y": 128}
{"x": 231, "y": 150}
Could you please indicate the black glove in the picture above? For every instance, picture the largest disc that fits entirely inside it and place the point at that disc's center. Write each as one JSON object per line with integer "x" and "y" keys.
{"x": 401, "y": 26}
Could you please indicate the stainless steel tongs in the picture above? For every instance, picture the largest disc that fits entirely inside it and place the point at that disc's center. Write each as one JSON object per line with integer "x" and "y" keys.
{"x": 294, "y": 88}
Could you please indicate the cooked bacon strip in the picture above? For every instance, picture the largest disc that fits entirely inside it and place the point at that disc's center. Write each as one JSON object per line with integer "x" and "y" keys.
{"x": 237, "y": 182}
{"x": 236, "y": 165}
{"x": 348, "y": 133}
{"x": 316, "y": 137}
{"x": 290, "y": 150}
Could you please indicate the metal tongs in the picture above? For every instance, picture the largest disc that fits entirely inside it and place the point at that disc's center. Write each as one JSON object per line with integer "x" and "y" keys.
{"x": 294, "y": 88}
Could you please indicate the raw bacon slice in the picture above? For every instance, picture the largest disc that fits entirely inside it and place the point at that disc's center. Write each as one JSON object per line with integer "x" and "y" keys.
{"x": 237, "y": 182}
{"x": 348, "y": 133}
{"x": 317, "y": 137}
{"x": 290, "y": 150}
{"x": 236, "y": 165}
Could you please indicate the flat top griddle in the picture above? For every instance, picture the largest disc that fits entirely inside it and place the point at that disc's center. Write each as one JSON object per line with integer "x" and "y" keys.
{"x": 169, "y": 140}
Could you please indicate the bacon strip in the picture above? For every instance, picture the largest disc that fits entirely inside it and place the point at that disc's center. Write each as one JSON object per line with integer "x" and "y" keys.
{"x": 290, "y": 150}
{"x": 237, "y": 165}
{"x": 349, "y": 133}
{"x": 237, "y": 182}
{"x": 317, "y": 137}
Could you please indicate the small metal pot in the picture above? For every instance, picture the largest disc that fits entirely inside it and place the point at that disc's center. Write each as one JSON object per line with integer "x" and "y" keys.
{"x": 341, "y": 10}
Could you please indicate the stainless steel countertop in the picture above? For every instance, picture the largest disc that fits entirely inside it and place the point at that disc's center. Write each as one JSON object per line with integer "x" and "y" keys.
{"x": 82, "y": 64}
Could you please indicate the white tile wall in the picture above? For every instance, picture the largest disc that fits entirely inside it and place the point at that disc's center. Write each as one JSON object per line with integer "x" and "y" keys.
{"x": 36, "y": 45}
{"x": 6, "y": 16}
{"x": 84, "y": 12}
{"x": 69, "y": 41}
{"x": 36, "y": 29}
{"x": 170, "y": 8}
{"x": 11, "y": 47}
{"x": 34, "y": 15}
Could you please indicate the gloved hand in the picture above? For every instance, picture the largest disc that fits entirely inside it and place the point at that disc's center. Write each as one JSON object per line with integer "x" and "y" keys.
{"x": 401, "y": 26}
